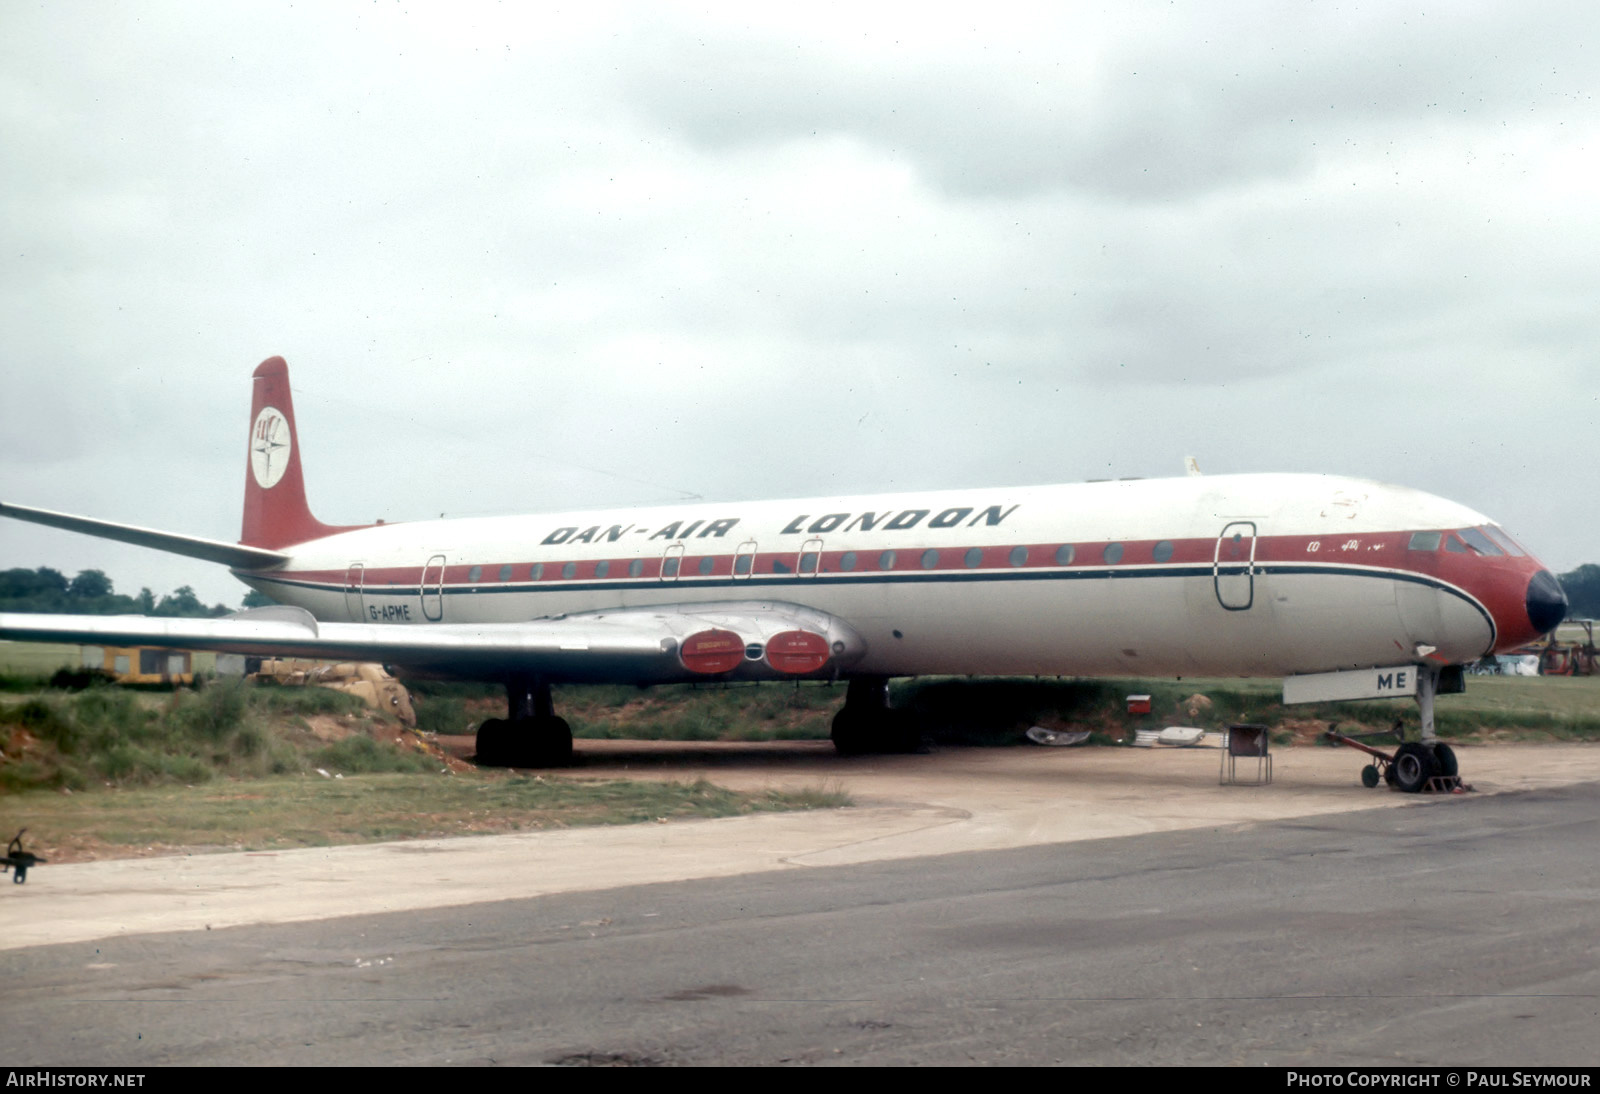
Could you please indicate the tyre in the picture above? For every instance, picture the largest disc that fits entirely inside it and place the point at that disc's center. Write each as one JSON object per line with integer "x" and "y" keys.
{"x": 494, "y": 739}
{"x": 875, "y": 731}
{"x": 1445, "y": 757}
{"x": 850, "y": 733}
{"x": 547, "y": 742}
{"x": 1370, "y": 776}
{"x": 1413, "y": 766}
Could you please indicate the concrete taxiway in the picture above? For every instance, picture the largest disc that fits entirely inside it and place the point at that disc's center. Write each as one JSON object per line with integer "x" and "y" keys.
{"x": 906, "y": 807}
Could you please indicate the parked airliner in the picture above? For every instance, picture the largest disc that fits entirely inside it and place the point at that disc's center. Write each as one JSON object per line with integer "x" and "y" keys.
{"x": 1347, "y": 588}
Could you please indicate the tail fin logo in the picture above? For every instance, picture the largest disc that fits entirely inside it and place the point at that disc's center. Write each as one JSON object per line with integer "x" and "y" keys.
{"x": 269, "y": 447}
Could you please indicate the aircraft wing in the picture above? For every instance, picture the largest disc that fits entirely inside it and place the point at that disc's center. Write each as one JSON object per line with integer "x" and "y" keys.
{"x": 746, "y": 640}
{"x": 235, "y": 555}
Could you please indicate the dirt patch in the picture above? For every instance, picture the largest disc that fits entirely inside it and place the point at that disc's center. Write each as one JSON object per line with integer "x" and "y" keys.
{"x": 331, "y": 728}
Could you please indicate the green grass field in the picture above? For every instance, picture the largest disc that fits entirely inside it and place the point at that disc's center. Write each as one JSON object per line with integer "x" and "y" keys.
{"x": 43, "y": 658}
{"x": 312, "y": 811}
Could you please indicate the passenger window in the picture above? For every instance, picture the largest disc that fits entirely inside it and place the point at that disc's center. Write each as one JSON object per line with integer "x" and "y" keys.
{"x": 1019, "y": 556}
{"x": 930, "y": 559}
{"x": 636, "y": 567}
{"x": 1424, "y": 541}
{"x": 475, "y": 573}
{"x": 1112, "y": 554}
{"x": 741, "y": 564}
{"x": 570, "y": 570}
{"x": 886, "y": 560}
{"x": 706, "y": 564}
{"x": 1064, "y": 555}
{"x": 974, "y": 558}
{"x": 847, "y": 561}
{"x": 1163, "y": 551}
{"x": 808, "y": 562}
{"x": 505, "y": 572}
{"x": 536, "y": 572}
{"x": 669, "y": 568}
{"x": 601, "y": 569}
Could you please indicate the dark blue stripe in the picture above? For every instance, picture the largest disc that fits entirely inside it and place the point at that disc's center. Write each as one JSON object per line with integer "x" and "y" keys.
{"x": 770, "y": 581}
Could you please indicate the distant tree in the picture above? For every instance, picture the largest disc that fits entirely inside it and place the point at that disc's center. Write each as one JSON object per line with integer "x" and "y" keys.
{"x": 181, "y": 602}
{"x": 255, "y": 598}
{"x": 1582, "y": 587}
{"x": 147, "y": 602}
{"x": 89, "y": 585}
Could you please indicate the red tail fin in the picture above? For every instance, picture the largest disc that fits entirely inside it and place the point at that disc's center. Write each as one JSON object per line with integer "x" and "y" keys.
{"x": 275, "y": 510}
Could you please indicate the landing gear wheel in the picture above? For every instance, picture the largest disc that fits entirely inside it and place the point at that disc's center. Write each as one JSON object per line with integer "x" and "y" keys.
{"x": 1370, "y": 776}
{"x": 1413, "y": 766}
{"x": 546, "y": 742}
{"x": 851, "y": 733}
{"x": 874, "y": 731}
{"x": 1445, "y": 757}
{"x": 494, "y": 743}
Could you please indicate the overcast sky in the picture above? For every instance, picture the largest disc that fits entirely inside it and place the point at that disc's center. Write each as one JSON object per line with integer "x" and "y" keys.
{"x": 522, "y": 257}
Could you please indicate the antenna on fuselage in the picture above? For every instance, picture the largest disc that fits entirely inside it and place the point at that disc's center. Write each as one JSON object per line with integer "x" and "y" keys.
{"x": 1191, "y": 467}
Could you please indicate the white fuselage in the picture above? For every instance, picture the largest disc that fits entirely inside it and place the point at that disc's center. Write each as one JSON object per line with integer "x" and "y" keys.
{"x": 1246, "y": 574}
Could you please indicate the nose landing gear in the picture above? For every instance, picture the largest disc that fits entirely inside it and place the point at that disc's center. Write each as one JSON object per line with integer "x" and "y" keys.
{"x": 1415, "y": 767}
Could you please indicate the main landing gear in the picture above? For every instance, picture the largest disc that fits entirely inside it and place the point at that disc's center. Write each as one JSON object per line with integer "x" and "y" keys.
{"x": 532, "y": 737}
{"x": 866, "y": 724}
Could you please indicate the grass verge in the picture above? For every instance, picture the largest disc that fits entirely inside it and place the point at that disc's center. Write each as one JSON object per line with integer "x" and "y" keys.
{"x": 312, "y": 811}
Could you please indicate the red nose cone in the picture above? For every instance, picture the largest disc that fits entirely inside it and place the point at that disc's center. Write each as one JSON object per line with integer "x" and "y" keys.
{"x": 711, "y": 652}
{"x": 797, "y": 652}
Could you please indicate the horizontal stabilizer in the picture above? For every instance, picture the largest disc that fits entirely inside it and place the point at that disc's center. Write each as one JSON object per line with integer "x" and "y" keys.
{"x": 756, "y": 640}
{"x": 211, "y": 550}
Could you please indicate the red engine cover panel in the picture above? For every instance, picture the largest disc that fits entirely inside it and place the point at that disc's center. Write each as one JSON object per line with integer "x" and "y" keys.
{"x": 710, "y": 652}
{"x": 797, "y": 652}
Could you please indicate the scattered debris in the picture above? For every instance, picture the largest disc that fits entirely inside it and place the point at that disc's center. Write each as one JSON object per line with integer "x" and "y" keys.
{"x": 1039, "y": 735}
{"x": 1177, "y": 736}
{"x": 367, "y": 682}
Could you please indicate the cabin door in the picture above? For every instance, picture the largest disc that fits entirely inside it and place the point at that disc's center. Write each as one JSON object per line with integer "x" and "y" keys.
{"x": 433, "y": 589}
{"x": 744, "y": 560}
{"x": 809, "y": 560}
{"x": 672, "y": 562}
{"x": 1233, "y": 566}
{"x": 352, "y": 592}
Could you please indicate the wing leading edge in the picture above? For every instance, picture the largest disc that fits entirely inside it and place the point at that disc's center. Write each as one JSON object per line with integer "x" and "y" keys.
{"x": 746, "y": 640}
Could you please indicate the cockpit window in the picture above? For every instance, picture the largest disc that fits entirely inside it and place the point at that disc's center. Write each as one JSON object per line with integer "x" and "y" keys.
{"x": 1503, "y": 538}
{"x": 1480, "y": 542}
{"x": 1424, "y": 541}
{"x": 1453, "y": 544}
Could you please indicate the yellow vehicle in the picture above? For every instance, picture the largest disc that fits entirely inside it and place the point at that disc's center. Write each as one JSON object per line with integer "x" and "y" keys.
{"x": 141, "y": 664}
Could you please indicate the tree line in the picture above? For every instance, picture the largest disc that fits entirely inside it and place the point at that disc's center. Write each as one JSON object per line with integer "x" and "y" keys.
{"x": 91, "y": 593}
{"x": 1582, "y": 587}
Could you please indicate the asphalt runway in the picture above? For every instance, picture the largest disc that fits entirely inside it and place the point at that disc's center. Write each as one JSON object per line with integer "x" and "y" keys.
{"x": 1455, "y": 932}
